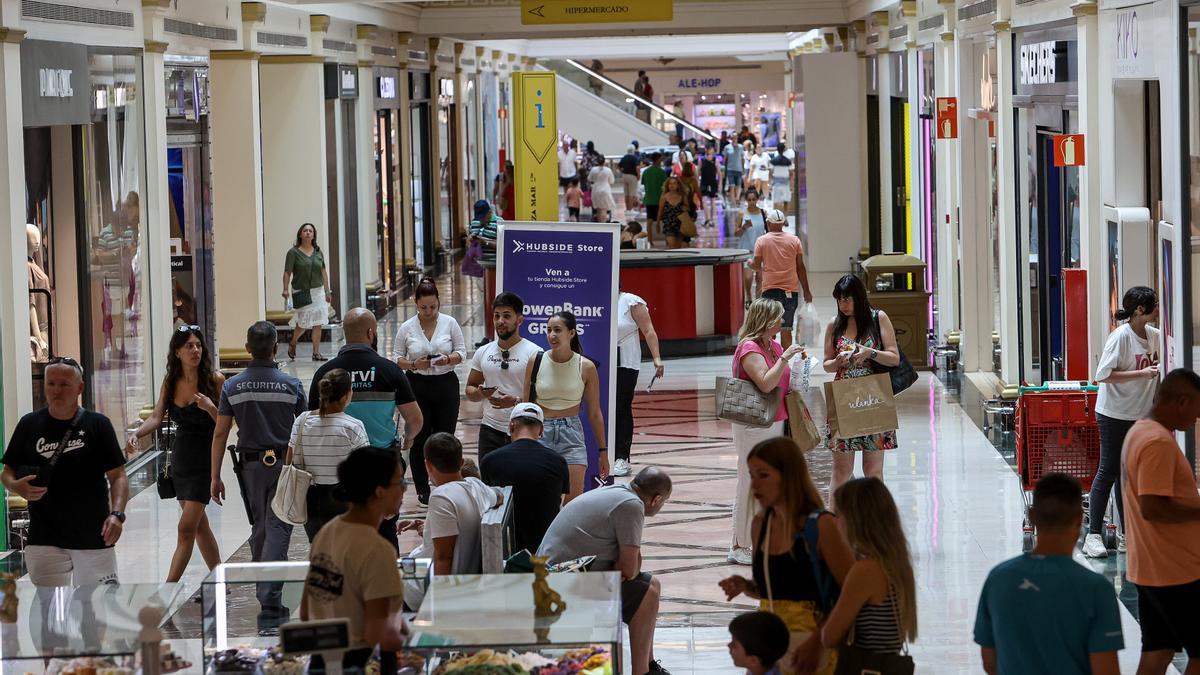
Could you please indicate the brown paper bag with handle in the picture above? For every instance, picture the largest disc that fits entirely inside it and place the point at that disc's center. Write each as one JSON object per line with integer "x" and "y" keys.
{"x": 801, "y": 426}
{"x": 861, "y": 406}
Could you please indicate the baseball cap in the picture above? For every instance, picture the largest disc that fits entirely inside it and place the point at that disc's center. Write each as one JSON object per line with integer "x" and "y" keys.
{"x": 529, "y": 410}
{"x": 776, "y": 216}
{"x": 482, "y": 208}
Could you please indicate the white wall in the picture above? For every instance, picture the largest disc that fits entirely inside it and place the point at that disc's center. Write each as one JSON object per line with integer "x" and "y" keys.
{"x": 833, "y": 101}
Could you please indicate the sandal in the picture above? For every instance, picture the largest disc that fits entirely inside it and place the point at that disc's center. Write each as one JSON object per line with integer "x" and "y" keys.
{"x": 318, "y": 357}
{"x": 291, "y": 352}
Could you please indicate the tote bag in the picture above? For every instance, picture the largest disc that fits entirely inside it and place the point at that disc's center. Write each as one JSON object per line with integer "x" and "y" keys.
{"x": 291, "y": 494}
{"x": 740, "y": 400}
{"x": 861, "y": 406}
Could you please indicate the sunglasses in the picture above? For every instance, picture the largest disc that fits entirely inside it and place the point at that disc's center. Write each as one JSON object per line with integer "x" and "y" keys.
{"x": 66, "y": 361}
{"x": 189, "y": 329}
{"x": 504, "y": 359}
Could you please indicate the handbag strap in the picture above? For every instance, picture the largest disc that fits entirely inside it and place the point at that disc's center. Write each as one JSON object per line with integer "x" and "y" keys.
{"x": 767, "y": 560}
{"x": 62, "y": 445}
{"x": 299, "y": 447}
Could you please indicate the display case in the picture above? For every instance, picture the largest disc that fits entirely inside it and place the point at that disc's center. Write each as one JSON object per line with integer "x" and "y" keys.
{"x": 494, "y": 619}
{"x": 716, "y": 117}
{"x": 64, "y": 629}
{"x": 234, "y": 630}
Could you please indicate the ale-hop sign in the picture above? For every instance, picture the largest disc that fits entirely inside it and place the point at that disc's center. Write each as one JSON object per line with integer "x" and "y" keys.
{"x": 1068, "y": 150}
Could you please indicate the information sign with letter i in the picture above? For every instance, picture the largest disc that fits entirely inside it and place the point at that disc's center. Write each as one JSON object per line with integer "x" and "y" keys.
{"x": 535, "y": 142}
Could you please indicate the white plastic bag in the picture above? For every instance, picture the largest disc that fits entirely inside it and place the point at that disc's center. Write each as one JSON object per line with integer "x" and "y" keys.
{"x": 802, "y": 367}
{"x": 808, "y": 326}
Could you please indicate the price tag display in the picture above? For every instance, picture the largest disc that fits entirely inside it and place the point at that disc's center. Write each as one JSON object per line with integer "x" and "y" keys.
{"x": 315, "y": 637}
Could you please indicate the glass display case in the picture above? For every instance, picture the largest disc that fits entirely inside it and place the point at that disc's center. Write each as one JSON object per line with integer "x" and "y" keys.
{"x": 491, "y": 620}
{"x": 57, "y": 629}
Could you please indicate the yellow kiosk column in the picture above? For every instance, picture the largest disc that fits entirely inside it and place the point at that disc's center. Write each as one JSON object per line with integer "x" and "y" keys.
{"x": 535, "y": 141}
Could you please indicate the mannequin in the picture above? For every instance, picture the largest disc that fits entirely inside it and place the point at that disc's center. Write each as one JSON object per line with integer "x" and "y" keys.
{"x": 39, "y": 310}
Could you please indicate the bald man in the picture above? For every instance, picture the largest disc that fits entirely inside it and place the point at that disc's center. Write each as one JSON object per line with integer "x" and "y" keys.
{"x": 68, "y": 464}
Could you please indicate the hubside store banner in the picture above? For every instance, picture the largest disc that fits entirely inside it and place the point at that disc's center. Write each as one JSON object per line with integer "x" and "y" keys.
{"x": 573, "y": 267}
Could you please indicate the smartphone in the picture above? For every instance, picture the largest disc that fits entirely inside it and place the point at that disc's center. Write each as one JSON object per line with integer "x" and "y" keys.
{"x": 652, "y": 381}
{"x": 488, "y": 390}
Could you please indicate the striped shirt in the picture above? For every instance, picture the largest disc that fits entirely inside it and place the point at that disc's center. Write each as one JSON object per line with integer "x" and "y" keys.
{"x": 877, "y": 627}
{"x": 321, "y": 443}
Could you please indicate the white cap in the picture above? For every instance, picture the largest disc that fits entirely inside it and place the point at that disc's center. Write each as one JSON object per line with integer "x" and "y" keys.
{"x": 529, "y": 410}
{"x": 776, "y": 216}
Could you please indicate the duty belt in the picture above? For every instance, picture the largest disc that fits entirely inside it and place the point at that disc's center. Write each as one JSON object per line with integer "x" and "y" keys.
{"x": 268, "y": 457}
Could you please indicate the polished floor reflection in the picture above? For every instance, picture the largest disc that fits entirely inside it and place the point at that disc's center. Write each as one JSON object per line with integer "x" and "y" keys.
{"x": 959, "y": 499}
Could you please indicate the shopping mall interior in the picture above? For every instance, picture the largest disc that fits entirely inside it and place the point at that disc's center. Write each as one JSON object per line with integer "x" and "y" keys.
{"x": 697, "y": 184}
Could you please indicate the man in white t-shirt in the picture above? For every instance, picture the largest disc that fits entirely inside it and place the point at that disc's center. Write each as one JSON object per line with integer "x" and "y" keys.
{"x": 566, "y": 165}
{"x": 450, "y": 531}
{"x": 497, "y": 374}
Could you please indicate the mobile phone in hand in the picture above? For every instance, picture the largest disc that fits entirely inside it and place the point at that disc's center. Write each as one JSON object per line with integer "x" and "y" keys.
{"x": 652, "y": 381}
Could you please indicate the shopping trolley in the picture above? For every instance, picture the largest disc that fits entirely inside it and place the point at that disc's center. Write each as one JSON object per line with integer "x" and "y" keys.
{"x": 1056, "y": 433}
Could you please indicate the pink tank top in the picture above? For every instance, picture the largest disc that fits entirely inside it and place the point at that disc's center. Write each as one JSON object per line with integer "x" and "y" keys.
{"x": 750, "y": 346}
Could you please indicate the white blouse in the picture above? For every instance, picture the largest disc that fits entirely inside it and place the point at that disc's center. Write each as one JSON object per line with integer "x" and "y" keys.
{"x": 411, "y": 343}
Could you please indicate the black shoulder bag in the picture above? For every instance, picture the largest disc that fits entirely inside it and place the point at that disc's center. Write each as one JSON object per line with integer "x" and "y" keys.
{"x": 43, "y": 473}
{"x": 537, "y": 364}
{"x": 903, "y": 376}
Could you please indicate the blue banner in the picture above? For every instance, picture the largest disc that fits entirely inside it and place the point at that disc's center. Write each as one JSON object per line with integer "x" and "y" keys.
{"x": 573, "y": 267}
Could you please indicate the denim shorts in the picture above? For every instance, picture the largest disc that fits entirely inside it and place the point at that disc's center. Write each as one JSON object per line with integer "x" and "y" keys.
{"x": 564, "y": 435}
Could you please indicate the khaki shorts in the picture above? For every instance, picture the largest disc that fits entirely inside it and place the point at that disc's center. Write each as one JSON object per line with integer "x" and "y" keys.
{"x": 630, "y": 184}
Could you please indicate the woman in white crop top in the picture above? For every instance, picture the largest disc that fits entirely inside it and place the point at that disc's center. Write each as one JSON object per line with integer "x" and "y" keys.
{"x": 564, "y": 381}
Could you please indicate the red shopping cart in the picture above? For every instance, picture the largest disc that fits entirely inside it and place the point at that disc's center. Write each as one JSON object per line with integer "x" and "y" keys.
{"x": 1056, "y": 433}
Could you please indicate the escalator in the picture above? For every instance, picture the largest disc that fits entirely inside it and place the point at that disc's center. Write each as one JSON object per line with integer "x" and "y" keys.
{"x": 593, "y": 107}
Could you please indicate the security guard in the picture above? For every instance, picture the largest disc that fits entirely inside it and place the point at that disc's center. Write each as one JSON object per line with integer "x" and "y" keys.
{"x": 264, "y": 401}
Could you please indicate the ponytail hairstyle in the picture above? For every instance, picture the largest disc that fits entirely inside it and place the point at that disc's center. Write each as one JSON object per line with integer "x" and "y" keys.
{"x": 568, "y": 320}
{"x": 1138, "y": 297}
{"x": 425, "y": 287}
{"x": 333, "y": 388}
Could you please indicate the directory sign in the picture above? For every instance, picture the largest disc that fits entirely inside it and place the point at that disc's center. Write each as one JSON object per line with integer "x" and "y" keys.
{"x": 535, "y": 140}
{"x": 572, "y": 267}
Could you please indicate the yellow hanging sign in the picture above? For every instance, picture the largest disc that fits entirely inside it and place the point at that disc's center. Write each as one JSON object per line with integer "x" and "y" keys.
{"x": 535, "y": 140}
{"x": 544, "y": 12}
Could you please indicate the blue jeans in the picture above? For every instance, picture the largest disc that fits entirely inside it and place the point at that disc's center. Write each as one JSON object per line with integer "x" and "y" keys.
{"x": 564, "y": 435}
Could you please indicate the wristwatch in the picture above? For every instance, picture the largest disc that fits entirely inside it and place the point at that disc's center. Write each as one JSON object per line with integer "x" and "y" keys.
{"x": 119, "y": 515}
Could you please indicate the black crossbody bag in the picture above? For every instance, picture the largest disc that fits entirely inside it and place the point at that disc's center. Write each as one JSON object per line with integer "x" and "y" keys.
{"x": 902, "y": 375}
{"x": 45, "y": 471}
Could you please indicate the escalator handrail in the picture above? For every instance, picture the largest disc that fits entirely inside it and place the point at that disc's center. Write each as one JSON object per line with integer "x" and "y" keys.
{"x": 644, "y": 101}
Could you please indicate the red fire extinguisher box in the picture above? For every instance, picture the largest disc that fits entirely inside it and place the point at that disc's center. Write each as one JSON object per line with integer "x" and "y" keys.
{"x": 1075, "y": 310}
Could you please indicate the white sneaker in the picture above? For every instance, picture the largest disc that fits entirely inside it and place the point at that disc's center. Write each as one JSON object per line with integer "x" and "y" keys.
{"x": 1093, "y": 546}
{"x": 1120, "y": 543}
{"x": 740, "y": 556}
{"x": 622, "y": 468}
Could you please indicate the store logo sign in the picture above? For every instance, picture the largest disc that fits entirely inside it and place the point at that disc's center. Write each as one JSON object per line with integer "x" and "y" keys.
{"x": 1127, "y": 36}
{"x": 700, "y": 83}
{"x": 55, "y": 83}
{"x": 1039, "y": 62}
{"x": 387, "y": 88}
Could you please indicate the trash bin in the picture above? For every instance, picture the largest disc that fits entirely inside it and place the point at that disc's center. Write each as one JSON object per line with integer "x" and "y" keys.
{"x": 896, "y": 285}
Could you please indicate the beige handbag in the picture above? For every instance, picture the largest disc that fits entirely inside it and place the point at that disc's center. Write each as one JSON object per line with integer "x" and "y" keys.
{"x": 740, "y": 400}
{"x": 291, "y": 493}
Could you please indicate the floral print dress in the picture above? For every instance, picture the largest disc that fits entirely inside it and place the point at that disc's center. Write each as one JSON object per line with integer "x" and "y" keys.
{"x": 873, "y": 443}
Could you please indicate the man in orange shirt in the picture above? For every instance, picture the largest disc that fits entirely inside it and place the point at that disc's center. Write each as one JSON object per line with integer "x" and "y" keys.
{"x": 1162, "y": 525}
{"x": 780, "y": 258}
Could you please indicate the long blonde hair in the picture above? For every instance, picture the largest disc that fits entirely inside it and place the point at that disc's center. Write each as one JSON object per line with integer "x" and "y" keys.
{"x": 873, "y": 530}
{"x": 762, "y": 313}
{"x": 798, "y": 494}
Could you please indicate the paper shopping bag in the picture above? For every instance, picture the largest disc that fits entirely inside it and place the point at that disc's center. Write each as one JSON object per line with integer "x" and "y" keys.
{"x": 800, "y": 423}
{"x": 861, "y": 406}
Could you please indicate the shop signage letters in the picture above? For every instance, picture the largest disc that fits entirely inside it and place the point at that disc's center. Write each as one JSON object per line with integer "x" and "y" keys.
{"x": 700, "y": 83}
{"x": 1127, "y": 36}
{"x": 572, "y": 267}
{"x": 55, "y": 82}
{"x": 1130, "y": 58}
{"x": 387, "y": 87}
{"x": 947, "y": 117}
{"x": 1068, "y": 150}
{"x": 56, "y": 87}
{"x": 545, "y": 12}
{"x": 1039, "y": 62}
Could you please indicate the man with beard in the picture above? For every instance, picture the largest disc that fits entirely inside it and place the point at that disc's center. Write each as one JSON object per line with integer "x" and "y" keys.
{"x": 498, "y": 372}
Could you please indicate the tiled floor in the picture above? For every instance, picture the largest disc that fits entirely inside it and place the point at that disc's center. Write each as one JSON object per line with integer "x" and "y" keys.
{"x": 959, "y": 499}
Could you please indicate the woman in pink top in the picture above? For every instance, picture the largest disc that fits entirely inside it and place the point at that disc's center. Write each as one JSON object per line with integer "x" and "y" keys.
{"x": 760, "y": 359}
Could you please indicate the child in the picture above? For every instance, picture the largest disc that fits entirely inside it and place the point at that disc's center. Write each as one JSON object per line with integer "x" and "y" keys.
{"x": 574, "y": 201}
{"x": 760, "y": 639}
{"x": 631, "y": 233}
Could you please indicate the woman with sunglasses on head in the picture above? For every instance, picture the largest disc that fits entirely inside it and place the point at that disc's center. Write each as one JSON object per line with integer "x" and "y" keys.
{"x": 562, "y": 381}
{"x": 306, "y": 284}
{"x": 1128, "y": 377}
{"x": 428, "y": 346}
{"x": 190, "y": 394}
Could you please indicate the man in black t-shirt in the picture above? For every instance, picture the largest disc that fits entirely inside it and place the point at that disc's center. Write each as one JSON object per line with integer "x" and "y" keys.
{"x": 537, "y": 474}
{"x": 76, "y": 496}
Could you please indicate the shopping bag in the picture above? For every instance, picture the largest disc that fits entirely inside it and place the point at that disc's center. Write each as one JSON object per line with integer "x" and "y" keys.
{"x": 800, "y": 423}
{"x": 808, "y": 327}
{"x": 861, "y": 406}
{"x": 470, "y": 263}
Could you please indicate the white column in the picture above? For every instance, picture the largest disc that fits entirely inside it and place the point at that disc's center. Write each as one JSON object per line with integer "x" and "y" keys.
{"x": 915, "y": 206}
{"x": 368, "y": 227}
{"x": 1093, "y": 230}
{"x": 887, "y": 195}
{"x": 404, "y": 166}
{"x": 945, "y": 221}
{"x": 973, "y": 198}
{"x": 14, "y": 284}
{"x": 1006, "y": 176}
{"x": 433, "y": 172}
{"x": 157, "y": 280}
{"x": 460, "y": 198}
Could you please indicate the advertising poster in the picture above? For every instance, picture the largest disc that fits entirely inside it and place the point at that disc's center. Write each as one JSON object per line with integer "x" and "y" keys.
{"x": 572, "y": 267}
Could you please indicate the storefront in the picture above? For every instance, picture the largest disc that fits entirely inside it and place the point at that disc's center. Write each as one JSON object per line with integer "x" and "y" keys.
{"x": 422, "y": 188}
{"x": 190, "y": 204}
{"x": 83, "y": 116}
{"x": 390, "y": 234}
{"x": 344, "y": 259}
{"x": 764, "y": 113}
{"x": 447, "y": 167}
{"x": 1045, "y": 85}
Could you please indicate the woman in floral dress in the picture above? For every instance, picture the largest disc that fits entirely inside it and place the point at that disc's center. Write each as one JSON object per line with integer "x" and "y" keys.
{"x": 858, "y": 338}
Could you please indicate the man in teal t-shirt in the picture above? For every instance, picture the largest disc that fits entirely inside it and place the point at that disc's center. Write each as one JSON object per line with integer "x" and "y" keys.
{"x": 1042, "y": 612}
{"x": 653, "y": 178}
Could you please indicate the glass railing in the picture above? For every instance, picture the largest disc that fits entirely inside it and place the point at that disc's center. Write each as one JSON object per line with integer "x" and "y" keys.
{"x": 623, "y": 98}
